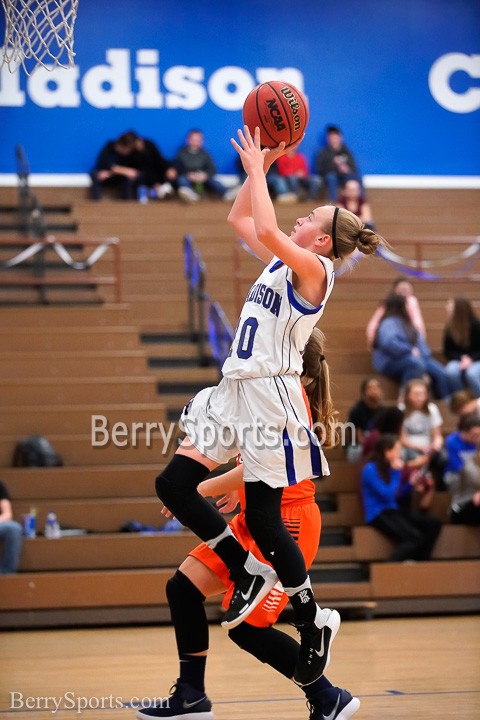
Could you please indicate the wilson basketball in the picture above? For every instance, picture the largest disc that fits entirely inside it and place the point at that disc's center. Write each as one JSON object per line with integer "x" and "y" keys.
{"x": 279, "y": 109}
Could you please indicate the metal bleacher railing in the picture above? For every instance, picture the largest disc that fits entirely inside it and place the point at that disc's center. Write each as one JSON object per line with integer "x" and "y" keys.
{"x": 220, "y": 333}
{"x": 33, "y": 242}
{"x": 203, "y": 313}
{"x": 194, "y": 273}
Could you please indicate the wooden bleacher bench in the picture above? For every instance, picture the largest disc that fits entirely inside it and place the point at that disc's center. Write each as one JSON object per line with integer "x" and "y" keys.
{"x": 56, "y": 318}
{"x": 72, "y": 363}
{"x": 441, "y": 584}
{"x": 83, "y": 481}
{"x": 75, "y": 419}
{"x": 107, "y": 551}
{"x": 35, "y": 339}
{"x": 77, "y": 449}
{"x": 454, "y": 542}
{"x": 77, "y": 391}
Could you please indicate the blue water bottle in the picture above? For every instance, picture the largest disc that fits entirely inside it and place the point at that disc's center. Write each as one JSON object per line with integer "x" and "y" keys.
{"x": 142, "y": 194}
{"x": 29, "y": 524}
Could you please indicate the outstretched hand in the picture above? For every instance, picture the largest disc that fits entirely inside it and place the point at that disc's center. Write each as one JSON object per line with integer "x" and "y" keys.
{"x": 249, "y": 149}
{"x": 253, "y": 155}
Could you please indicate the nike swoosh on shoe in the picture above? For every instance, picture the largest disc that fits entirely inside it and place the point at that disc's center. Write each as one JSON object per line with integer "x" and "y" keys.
{"x": 332, "y": 715}
{"x": 187, "y": 705}
{"x": 246, "y": 596}
{"x": 321, "y": 652}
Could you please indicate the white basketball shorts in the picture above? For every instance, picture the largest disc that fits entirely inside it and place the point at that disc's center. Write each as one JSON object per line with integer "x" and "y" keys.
{"x": 264, "y": 419}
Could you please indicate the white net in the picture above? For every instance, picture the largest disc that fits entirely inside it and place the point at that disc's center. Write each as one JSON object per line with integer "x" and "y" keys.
{"x": 39, "y": 32}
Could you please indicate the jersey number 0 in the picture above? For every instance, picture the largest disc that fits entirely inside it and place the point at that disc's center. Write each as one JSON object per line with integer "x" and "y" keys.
{"x": 247, "y": 337}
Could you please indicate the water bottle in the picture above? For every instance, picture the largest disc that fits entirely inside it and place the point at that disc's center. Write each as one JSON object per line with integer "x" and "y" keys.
{"x": 52, "y": 527}
{"x": 29, "y": 524}
{"x": 142, "y": 194}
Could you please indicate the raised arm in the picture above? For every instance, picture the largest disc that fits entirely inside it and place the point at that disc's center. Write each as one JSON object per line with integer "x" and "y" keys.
{"x": 241, "y": 218}
{"x": 303, "y": 262}
{"x": 241, "y": 214}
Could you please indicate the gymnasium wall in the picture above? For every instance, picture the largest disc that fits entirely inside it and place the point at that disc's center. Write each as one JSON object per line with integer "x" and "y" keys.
{"x": 402, "y": 79}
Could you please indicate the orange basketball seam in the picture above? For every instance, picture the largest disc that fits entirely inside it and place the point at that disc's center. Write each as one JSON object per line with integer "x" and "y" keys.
{"x": 281, "y": 100}
{"x": 260, "y": 116}
{"x": 279, "y": 109}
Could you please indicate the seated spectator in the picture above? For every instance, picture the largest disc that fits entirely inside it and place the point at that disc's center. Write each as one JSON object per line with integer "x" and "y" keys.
{"x": 461, "y": 345}
{"x": 462, "y": 475}
{"x": 196, "y": 171}
{"x": 462, "y": 443}
{"x": 10, "y": 533}
{"x": 465, "y": 488}
{"x": 421, "y": 436}
{"x": 352, "y": 197}
{"x": 335, "y": 163}
{"x": 401, "y": 286}
{"x": 118, "y": 166}
{"x": 401, "y": 353}
{"x": 293, "y": 168}
{"x": 387, "y": 421}
{"x": 382, "y": 490}
{"x": 158, "y": 173}
{"x": 463, "y": 402}
{"x": 362, "y": 414}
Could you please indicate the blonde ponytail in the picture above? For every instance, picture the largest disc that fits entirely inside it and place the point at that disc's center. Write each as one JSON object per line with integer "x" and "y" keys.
{"x": 350, "y": 234}
{"x": 316, "y": 381}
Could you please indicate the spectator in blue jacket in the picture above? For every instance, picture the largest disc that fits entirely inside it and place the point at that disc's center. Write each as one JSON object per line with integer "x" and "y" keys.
{"x": 401, "y": 353}
{"x": 462, "y": 472}
{"x": 382, "y": 491}
{"x": 462, "y": 443}
{"x": 10, "y": 534}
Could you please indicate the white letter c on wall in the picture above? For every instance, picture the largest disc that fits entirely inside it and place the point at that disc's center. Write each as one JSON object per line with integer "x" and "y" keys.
{"x": 439, "y": 82}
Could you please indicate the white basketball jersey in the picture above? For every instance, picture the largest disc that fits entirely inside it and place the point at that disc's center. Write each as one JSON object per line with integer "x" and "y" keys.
{"x": 274, "y": 325}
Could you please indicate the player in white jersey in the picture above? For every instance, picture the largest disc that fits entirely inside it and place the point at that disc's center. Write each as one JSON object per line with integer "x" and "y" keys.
{"x": 258, "y": 409}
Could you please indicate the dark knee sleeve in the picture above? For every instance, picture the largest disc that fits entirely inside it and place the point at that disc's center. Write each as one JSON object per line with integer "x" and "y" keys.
{"x": 176, "y": 487}
{"x": 188, "y": 614}
{"x": 180, "y": 478}
{"x": 269, "y": 645}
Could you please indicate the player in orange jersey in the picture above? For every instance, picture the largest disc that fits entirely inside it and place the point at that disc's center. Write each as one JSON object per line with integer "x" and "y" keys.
{"x": 203, "y": 574}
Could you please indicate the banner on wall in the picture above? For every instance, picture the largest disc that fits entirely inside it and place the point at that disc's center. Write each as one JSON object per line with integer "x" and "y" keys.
{"x": 401, "y": 80}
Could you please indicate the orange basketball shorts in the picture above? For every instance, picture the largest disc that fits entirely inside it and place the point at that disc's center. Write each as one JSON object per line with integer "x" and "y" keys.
{"x": 303, "y": 521}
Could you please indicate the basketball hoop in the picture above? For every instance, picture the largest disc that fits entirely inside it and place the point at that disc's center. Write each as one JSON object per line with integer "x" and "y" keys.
{"x": 38, "y": 32}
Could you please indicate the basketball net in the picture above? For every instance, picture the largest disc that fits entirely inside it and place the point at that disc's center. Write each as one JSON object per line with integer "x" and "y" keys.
{"x": 38, "y": 32}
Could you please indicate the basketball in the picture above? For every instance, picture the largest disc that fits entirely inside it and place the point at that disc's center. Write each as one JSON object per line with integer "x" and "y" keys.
{"x": 279, "y": 109}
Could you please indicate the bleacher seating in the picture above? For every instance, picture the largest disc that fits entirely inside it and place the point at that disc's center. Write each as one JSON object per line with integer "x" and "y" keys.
{"x": 135, "y": 362}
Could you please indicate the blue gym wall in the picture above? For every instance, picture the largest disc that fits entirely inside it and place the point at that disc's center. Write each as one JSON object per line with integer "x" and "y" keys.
{"x": 402, "y": 79}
